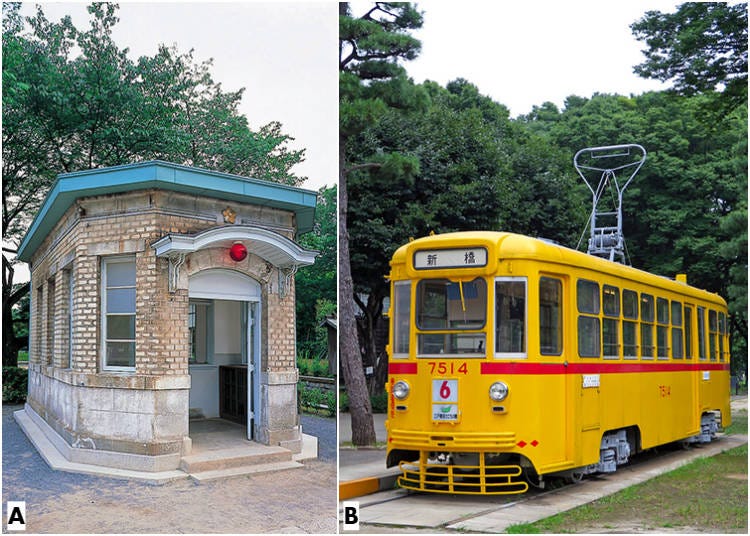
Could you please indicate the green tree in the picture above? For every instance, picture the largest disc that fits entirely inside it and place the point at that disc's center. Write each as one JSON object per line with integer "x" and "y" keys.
{"x": 316, "y": 285}
{"x": 74, "y": 100}
{"x": 370, "y": 81}
{"x": 701, "y": 48}
{"x": 686, "y": 210}
{"x": 477, "y": 170}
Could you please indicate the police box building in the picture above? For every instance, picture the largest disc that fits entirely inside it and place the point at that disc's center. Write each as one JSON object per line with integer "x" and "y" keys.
{"x": 163, "y": 320}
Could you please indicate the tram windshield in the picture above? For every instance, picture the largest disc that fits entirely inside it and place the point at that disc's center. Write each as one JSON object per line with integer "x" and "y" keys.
{"x": 451, "y": 307}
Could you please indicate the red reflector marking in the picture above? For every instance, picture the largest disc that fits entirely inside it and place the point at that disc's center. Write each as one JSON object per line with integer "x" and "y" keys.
{"x": 521, "y": 444}
{"x": 534, "y": 443}
{"x": 402, "y": 368}
{"x": 596, "y": 368}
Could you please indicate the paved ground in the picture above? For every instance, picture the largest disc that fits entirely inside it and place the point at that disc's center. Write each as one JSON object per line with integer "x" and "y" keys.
{"x": 297, "y": 501}
{"x": 325, "y": 430}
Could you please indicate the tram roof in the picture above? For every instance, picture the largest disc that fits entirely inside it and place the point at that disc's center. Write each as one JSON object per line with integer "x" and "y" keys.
{"x": 515, "y": 246}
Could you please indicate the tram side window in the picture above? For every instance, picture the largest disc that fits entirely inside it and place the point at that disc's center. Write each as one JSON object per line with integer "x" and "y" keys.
{"x": 629, "y": 325}
{"x": 401, "y": 318}
{"x": 647, "y": 326}
{"x": 611, "y": 320}
{"x": 722, "y": 334}
{"x": 589, "y": 343}
{"x": 550, "y": 317}
{"x": 676, "y": 330}
{"x": 510, "y": 316}
{"x": 713, "y": 328}
{"x": 688, "y": 332}
{"x": 701, "y": 333}
{"x": 662, "y": 327}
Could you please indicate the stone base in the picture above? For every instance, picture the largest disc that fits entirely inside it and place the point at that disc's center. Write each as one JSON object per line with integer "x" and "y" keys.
{"x": 111, "y": 459}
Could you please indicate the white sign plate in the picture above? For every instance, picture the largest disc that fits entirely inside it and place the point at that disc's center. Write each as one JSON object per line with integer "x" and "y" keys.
{"x": 444, "y": 412}
{"x": 433, "y": 259}
{"x": 590, "y": 380}
{"x": 706, "y": 375}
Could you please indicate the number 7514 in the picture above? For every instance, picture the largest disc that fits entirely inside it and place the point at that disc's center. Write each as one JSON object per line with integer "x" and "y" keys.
{"x": 440, "y": 368}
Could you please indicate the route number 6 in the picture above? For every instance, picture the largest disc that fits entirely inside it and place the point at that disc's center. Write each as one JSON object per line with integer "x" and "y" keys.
{"x": 444, "y": 390}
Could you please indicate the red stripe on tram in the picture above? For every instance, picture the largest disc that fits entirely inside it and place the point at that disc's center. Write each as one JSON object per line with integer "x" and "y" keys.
{"x": 402, "y": 368}
{"x": 597, "y": 368}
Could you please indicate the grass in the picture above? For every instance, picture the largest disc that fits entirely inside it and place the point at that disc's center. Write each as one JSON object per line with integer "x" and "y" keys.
{"x": 708, "y": 495}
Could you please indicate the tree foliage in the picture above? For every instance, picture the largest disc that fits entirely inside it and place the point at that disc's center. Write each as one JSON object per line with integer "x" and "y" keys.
{"x": 371, "y": 82}
{"x": 701, "y": 48}
{"x": 315, "y": 285}
{"x": 73, "y": 100}
{"x": 686, "y": 210}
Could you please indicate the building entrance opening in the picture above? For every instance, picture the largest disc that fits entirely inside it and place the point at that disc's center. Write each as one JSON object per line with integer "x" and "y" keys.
{"x": 224, "y": 348}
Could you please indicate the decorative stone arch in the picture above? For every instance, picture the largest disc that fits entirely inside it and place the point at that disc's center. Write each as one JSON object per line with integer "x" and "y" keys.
{"x": 203, "y": 259}
{"x": 277, "y": 250}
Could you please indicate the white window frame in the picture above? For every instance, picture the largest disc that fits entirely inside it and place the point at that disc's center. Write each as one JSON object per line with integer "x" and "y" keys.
{"x": 511, "y": 355}
{"x": 106, "y": 261}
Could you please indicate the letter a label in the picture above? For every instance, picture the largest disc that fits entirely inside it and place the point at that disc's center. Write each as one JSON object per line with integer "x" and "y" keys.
{"x": 16, "y": 511}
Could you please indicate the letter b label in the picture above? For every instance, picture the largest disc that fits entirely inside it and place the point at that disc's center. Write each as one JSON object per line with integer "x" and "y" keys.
{"x": 351, "y": 515}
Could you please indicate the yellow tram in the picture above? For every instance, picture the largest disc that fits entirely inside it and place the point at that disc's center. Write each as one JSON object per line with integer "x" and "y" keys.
{"x": 512, "y": 359}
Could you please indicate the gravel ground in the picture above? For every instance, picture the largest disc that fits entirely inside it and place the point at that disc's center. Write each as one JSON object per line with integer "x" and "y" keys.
{"x": 296, "y": 501}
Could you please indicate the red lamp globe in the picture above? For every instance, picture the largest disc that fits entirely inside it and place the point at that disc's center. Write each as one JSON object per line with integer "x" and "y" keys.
{"x": 238, "y": 252}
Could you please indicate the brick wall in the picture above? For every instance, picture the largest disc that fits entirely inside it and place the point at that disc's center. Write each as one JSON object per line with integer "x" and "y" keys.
{"x": 127, "y": 224}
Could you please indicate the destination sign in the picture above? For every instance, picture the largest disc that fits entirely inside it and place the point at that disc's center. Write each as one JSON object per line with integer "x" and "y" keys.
{"x": 432, "y": 259}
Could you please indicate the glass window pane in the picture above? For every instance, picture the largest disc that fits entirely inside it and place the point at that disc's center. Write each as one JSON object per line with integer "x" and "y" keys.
{"x": 588, "y": 296}
{"x": 662, "y": 311}
{"x": 510, "y": 316}
{"x": 121, "y": 274}
{"x": 611, "y": 300}
{"x": 120, "y": 354}
{"x": 588, "y": 337}
{"x": 629, "y": 342}
{"x": 121, "y": 300}
{"x": 647, "y": 308}
{"x": 688, "y": 332}
{"x": 121, "y": 327}
{"x": 630, "y": 304}
{"x": 550, "y": 319}
{"x": 647, "y": 340}
{"x": 401, "y": 317}
{"x": 712, "y": 320}
{"x": 676, "y": 313}
{"x": 701, "y": 333}
{"x": 661, "y": 341}
{"x": 442, "y": 304}
{"x": 677, "y": 343}
{"x": 610, "y": 338}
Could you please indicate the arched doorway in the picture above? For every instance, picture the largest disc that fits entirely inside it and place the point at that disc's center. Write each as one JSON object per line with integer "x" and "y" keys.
{"x": 224, "y": 346}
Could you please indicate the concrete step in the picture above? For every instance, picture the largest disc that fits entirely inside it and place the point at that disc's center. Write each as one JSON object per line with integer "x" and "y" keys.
{"x": 207, "y": 476}
{"x": 227, "y": 458}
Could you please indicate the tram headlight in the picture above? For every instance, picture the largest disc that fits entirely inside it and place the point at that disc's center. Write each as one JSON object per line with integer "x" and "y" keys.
{"x": 498, "y": 391}
{"x": 401, "y": 389}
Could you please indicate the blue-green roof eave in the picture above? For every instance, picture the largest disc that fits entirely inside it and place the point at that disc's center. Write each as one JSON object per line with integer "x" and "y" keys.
{"x": 166, "y": 176}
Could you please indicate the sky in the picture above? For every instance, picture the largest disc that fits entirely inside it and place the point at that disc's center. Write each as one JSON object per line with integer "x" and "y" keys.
{"x": 525, "y": 53}
{"x": 283, "y": 54}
